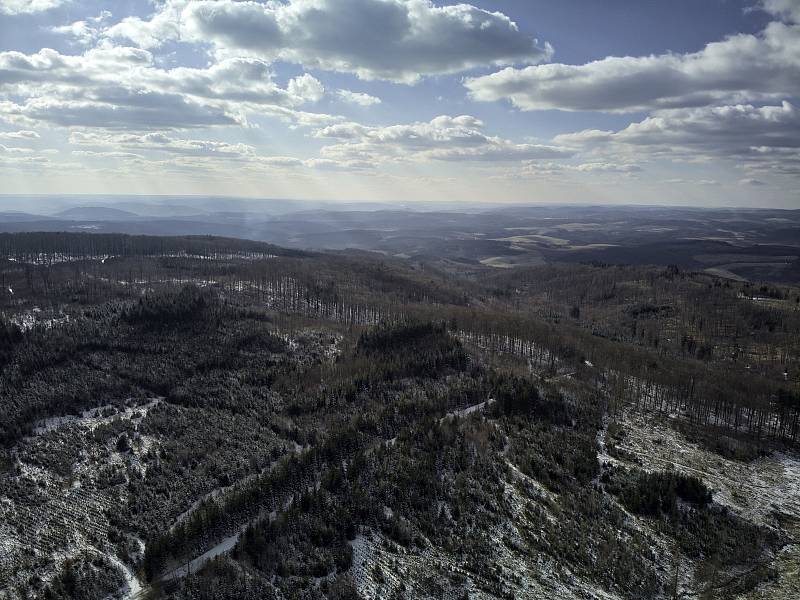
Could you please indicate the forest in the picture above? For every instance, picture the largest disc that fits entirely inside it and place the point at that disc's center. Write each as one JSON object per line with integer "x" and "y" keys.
{"x": 203, "y": 418}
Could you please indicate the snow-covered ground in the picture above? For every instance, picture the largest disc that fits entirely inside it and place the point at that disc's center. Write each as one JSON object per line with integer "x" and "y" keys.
{"x": 465, "y": 412}
{"x": 756, "y": 490}
{"x": 36, "y": 317}
{"x": 765, "y": 491}
{"x": 193, "y": 566}
{"x": 133, "y": 589}
{"x": 63, "y": 515}
{"x": 91, "y": 418}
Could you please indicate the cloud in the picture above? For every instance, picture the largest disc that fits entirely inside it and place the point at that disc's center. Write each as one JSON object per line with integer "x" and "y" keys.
{"x": 25, "y": 162}
{"x": 122, "y": 87}
{"x": 162, "y": 142}
{"x": 726, "y": 130}
{"x": 188, "y": 154}
{"x": 764, "y": 137}
{"x": 28, "y": 7}
{"x": 7, "y": 150}
{"x": 307, "y": 88}
{"x": 22, "y": 74}
{"x": 607, "y": 168}
{"x": 279, "y": 161}
{"x": 397, "y": 40}
{"x": 84, "y": 33}
{"x": 240, "y": 80}
{"x": 358, "y": 98}
{"x": 740, "y": 68}
{"x": 751, "y": 182}
{"x": 443, "y": 138}
{"x": 327, "y": 164}
{"x": 119, "y": 109}
{"x": 19, "y": 135}
{"x": 680, "y": 181}
{"x": 80, "y": 31}
{"x": 114, "y": 155}
{"x": 595, "y": 168}
{"x": 152, "y": 33}
{"x": 788, "y": 10}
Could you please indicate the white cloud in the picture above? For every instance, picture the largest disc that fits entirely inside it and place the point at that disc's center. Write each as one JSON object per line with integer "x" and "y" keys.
{"x": 749, "y": 181}
{"x": 190, "y": 154}
{"x": 398, "y": 40}
{"x": 692, "y": 182}
{"x": 306, "y": 88}
{"x": 119, "y": 87}
{"x": 784, "y": 9}
{"x": 151, "y": 33}
{"x": 19, "y": 135}
{"x": 357, "y": 98}
{"x": 240, "y": 80}
{"x": 27, "y": 7}
{"x": 720, "y": 129}
{"x": 162, "y": 142}
{"x": 606, "y": 167}
{"x": 279, "y": 161}
{"x": 740, "y": 68}
{"x": 84, "y": 33}
{"x": 120, "y": 109}
{"x": 327, "y": 164}
{"x": 594, "y": 168}
{"x": 443, "y": 138}
{"x": 7, "y": 150}
{"x": 16, "y": 163}
{"x": 22, "y": 73}
{"x": 765, "y": 137}
{"x": 114, "y": 154}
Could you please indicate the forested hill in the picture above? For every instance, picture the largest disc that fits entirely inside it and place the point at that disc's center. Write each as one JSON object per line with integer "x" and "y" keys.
{"x": 212, "y": 418}
{"x": 38, "y": 247}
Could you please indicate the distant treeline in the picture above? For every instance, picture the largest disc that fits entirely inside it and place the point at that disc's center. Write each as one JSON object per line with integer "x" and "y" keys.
{"x": 47, "y": 248}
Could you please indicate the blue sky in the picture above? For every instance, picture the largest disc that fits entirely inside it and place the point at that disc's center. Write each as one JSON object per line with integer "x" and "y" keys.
{"x": 681, "y": 102}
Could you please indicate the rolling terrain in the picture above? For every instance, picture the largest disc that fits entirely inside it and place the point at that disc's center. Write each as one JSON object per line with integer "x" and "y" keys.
{"x": 205, "y": 417}
{"x": 739, "y": 244}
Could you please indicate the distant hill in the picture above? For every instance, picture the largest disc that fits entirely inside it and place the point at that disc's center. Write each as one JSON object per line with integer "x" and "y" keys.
{"x": 97, "y": 213}
{"x": 13, "y": 216}
{"x": 146, "y": 209}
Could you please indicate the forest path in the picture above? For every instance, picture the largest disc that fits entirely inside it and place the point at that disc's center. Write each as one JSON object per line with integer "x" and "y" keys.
{"x": 223, "y": 547}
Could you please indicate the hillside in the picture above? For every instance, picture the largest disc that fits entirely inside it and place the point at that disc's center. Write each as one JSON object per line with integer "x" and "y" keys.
{"x": 201, "y": 417}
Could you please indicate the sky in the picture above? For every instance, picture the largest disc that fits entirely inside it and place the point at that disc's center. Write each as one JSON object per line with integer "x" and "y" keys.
{"x": 686, "y": 102}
